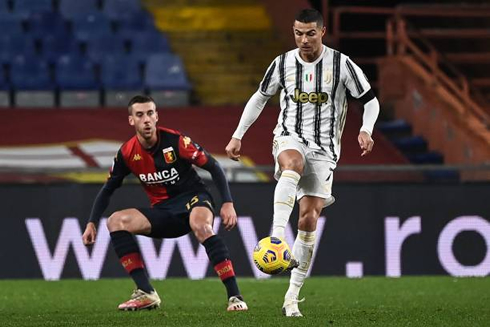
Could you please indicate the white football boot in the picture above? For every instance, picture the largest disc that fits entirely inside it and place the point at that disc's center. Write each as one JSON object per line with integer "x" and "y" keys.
{"x": 236, "y": 304}
{"x": 290, "y": 307}
{"x": 141, "y": 300}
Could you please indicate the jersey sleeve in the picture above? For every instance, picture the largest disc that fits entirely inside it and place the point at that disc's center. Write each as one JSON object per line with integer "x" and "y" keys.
{"x": 354, "y": 79}
{"x": 118, "y": 172}
{"x": 270, "y": 84}
{"x": 191, "y": 151}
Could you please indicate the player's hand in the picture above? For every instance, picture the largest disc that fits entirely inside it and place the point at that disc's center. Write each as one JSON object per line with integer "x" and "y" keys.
{"x": 233, "y": 149}
{"x": 88, "y": 236}
{"x": 365, "y": 142}
{"x": 228, "y": 215}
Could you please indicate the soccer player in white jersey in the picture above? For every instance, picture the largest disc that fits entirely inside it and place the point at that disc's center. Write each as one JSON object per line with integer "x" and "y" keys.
{"x": 313, "y": 80}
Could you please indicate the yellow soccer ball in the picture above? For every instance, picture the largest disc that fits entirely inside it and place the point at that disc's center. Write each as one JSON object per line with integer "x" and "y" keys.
{"x": 272, "y": 255}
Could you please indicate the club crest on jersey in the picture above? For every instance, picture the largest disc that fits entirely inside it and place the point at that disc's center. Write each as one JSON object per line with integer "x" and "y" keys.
{"x": 169, "y": 155}
{"x": 327, "y": 79}
{"x": 312, "y": 97}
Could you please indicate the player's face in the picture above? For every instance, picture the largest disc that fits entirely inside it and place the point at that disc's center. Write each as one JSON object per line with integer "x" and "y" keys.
{"x": 144, "y": 118}
{"x": 308, "y": 39}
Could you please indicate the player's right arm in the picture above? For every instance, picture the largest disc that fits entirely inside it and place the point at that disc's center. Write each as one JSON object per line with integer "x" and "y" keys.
{"x": 268, "y": 87}
{"x": 118, "y": 172}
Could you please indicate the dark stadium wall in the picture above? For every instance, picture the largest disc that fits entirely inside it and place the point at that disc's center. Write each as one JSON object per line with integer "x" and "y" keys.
{"x": 372, "y": 229}
{"x": 282, "y": 14}
{"x": 212, "y": 127}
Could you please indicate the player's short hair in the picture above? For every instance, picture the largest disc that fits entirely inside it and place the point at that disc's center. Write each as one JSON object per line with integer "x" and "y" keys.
{"x": 139, "y": 99}
{"x": 310, "y": 16}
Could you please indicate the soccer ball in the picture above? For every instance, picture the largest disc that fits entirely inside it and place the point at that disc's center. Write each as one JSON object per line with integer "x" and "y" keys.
{"x": 272, "y": 255}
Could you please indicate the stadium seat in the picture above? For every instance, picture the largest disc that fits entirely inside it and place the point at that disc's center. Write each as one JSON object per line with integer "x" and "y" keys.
{"x": 75, "y": 8}
{"x": 166, "y": 79}
{"x": 89, "y": 25}
{"x": 121, "y": 79}
{"x": 165, "y": 71}
{"x": 42, "y": 24}
{"x": 147, "y": 44}
{"x": 75, "y": 77}
{"x": 31, "y": 80}
{"x": 56, "y": 45}
{"x": 75, "y": 73}
{"x": 10, "y": 24}
{"x": 100, "y": 46}
{"x": 116, "y": 9}
{"x": 136, "y": 21}
{"x": 120, "y": 72}
{"x": 4, "y": 89}
{"x": 13, "y": 45}
{"x": 24, "y": 8}
{"x": 4, "y": 6}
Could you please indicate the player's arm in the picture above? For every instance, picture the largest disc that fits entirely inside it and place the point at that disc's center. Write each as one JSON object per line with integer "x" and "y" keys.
{"x": 358, "y": 85}
{"x": 118, "y": 171}
{"x": 227, "y": 211}
{"x": 268, "y": 87}
{"x": 252, "y": 111}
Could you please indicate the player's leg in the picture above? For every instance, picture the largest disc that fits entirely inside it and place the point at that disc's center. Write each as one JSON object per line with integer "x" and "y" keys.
{"x": 289, "y": 168}
{"x": 123, "y": 225}
{"x": 314, "y": 193}
{"x": 309, "y": 211}
{"x": 201, "y": 222}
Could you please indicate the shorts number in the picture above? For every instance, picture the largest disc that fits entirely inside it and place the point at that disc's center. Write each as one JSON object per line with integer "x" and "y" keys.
{"x": 193, "y": 201}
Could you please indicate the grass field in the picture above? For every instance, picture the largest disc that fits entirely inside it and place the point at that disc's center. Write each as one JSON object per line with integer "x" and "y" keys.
{"x": 407, "y": 301}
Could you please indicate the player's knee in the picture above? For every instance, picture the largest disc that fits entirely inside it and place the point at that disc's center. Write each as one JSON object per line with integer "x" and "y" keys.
{"x": 307, "y": 220}
{"x": 295, "y": 164}
{"x": 118, "y": 221}
{"x": 202, "y": 231}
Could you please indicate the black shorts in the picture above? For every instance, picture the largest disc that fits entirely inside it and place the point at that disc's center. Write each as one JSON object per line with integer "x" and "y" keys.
{"x": 170, "y": 218}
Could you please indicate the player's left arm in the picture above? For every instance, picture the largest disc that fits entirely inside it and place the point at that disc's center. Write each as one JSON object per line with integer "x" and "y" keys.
{"x": 358, "y": 85}
{"x": 195, "y": 154}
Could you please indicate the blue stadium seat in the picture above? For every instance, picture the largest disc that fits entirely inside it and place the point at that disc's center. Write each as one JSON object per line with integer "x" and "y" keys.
{"x": 30, "y": 73}
{"x": 56, "y": 45}
{"x": 25, "y": 8}
{"x": 4, "y": 85}
{"x": 100, "y": 46}
{"x": 116, "y": 9}
{"x": 147, "y": 44}
{"x": 89, "y": 25}
{"x": 4, "y": 6}
{"x": 75, "y": 73}
{"x": 42, "y": 24}
{"x": 75, "y": 8}
{"x": 135, "y": 22}
{"x": 120, "y": 72}
{"x": 14, "y": 45}
{"x": 10, "y": 24}
{"x": 165, "y": 71}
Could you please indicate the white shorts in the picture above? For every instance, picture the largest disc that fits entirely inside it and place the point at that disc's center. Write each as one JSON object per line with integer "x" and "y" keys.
{"x": 318, "y": 169}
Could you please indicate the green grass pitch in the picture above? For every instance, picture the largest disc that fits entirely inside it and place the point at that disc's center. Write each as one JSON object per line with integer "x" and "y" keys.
{"x": 331, "y": 301}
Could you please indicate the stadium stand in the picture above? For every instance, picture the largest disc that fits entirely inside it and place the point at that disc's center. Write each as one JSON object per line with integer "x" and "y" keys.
{"x": 30, "y": 76}
{"x": 121, "y": 76}
{"x": 24, "y": 8}
{"x": 166, "y": 79}
{"x": 71, "y": 9}
{"x": 79, "y": 92}
{"x": 90, "y": 30}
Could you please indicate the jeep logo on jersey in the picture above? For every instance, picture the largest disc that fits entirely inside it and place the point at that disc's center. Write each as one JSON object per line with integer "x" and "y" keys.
{"x": 312, "y": 97}
{"x": 165, "y": 176}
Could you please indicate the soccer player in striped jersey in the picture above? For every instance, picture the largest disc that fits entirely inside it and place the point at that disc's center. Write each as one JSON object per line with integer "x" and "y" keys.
{"x": 313, "y": 80}
{"x": 162, "y": 159}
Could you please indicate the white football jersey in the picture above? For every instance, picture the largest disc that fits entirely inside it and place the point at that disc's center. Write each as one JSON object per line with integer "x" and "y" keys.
{"x": 313, "y": 96}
